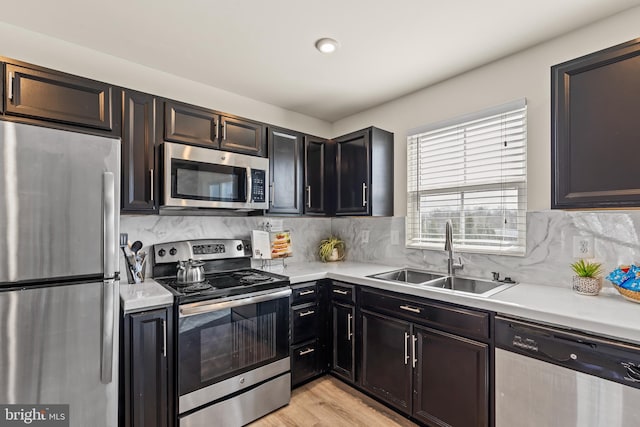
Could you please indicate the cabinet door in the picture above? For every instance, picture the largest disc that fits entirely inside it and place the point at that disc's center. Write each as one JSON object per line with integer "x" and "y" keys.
{"x": 595, "y": 133}
{"x": 148, "y": 373}
{"x": 285, "y": 161}
{"x": 352, "y": 174}
{"x": 59, "y": 97}
{"x": 315, "y": 155}
{"x": 138, "y": 152}
{"x": 190, "y": 125}
{"x": 386, "y": 359}
{"x": 343, "y": 324}
{"x": 450, "y": 380}
{"x": 242, "y": 136}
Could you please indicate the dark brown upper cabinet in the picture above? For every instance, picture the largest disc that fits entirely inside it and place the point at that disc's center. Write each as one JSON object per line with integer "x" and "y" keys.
{"x": 139, "y": 194}
{"x": 242, "y": 136}
{"x": 595, "y": 136}
{"x": 42, "y": 94}
{"x": 364, "y": 173}
{"x": 285, "y": 163}
{"x": 317, "y": 152}
{"x": 188, "y": 124}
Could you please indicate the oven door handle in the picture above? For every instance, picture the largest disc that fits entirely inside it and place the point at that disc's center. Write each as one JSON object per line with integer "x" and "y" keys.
{"x": 210, "y": 306}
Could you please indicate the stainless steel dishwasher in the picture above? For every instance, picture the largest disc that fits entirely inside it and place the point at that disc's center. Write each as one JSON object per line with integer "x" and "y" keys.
{"x": 548, "y": 377}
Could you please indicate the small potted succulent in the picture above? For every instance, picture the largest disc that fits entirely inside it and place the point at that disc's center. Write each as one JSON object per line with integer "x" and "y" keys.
{"x": 331, "y": 249}
{"x": 587, "y": 280}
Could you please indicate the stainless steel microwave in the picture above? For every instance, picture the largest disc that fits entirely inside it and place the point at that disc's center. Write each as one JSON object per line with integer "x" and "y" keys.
{"x": 197, "y": 177}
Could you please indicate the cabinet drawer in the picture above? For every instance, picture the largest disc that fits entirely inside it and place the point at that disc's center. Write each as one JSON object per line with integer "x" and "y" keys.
{"x": 455, "y": 319}
{"x": 305, "y": 362}
{"x": 60, "y": 98}
{"x": 305, "y": 321}
{"x": 343, "y": 292}
{"x": 304, "y": 293}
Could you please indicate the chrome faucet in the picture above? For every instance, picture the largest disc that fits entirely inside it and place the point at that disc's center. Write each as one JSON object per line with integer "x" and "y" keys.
{"x": 448, "y": 246}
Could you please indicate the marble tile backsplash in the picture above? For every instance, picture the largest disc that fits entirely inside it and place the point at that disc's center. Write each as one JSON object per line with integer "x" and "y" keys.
{"x": 152, "y": 229}
{"x": 549, "y": 252}
{"x": 550, "y": 234}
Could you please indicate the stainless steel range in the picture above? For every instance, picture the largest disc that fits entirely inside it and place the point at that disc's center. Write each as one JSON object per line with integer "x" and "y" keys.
{"x": 233, "y": 331}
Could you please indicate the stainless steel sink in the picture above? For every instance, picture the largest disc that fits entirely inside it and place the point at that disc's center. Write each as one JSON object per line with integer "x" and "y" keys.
{"x": 408, "y": 275}
{"x": 471, "y": 286}
{"x": 480, "y": 287}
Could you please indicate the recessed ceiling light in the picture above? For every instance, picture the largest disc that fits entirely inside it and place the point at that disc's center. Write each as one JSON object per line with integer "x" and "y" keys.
{"x": 326, "y": 45}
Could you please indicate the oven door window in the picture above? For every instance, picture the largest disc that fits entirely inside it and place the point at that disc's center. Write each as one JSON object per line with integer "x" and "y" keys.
{"x": 206, "y": 181}
{"x": 220, "y": 344}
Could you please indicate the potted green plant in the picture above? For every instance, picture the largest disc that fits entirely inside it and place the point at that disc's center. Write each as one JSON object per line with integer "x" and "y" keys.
{"x": 587, "y": 280}
{"x": 331, "y": 249}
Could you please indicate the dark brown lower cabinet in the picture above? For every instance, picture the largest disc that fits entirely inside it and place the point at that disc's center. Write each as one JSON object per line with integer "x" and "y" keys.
{"x": 145, "y": 380}
{"x": 386, "y": 359}
{"x": 343, "y": 333}
{"x": 450, "y": 380}
{"x": 437, "y": 378}
{"x": 306, "y": 361}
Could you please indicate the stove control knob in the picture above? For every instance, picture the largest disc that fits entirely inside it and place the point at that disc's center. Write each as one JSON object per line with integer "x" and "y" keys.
{"x": 162, "y": 252}
{"x": 239, "y": 247}
{"x": 173, "y": 251}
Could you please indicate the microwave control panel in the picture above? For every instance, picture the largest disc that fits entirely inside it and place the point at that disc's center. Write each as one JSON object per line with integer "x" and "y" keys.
{"x": 258, "y": 185}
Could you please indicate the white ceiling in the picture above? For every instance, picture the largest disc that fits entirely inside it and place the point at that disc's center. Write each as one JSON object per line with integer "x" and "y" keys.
{"x": 264, "y": 49}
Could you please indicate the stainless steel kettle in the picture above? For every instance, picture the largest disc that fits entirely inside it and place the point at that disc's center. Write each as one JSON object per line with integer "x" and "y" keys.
{"x": 190, "y": 272}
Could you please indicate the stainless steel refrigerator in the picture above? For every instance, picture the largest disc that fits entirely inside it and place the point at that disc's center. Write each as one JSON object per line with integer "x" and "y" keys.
{"x": 59, "y": 298}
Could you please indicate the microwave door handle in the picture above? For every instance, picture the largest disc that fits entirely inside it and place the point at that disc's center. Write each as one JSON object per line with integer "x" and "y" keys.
{"x": 249, "y": 185}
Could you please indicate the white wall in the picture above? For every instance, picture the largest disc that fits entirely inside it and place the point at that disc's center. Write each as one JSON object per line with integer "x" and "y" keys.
{"x": 38, "y": 49}
{"x": 525, "y": 74}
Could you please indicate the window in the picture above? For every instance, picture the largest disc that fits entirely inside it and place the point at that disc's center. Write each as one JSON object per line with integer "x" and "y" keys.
{"x": 471, "y": 170}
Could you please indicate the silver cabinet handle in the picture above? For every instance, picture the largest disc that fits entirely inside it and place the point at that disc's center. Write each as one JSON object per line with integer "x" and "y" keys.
{"x": 341, "y": 292}
{"x": 406, "y": 348}
{"x": 306, "y": 313}
{"x": 307, "y": 351}
{"x": 308, "y": 196}
{"x": 413, "y": 351}
{"x": 411, "y": 309}
{"x": 151, "y": 181}
{"x": 215, "y": 127}
{"x": 309, "y": 292}
{"x": 349, "y": 333}
{"x": 164, "y": 338}
{"x": 224, "y": 131}
{"x": 10, "y": 88}
{"x": 364, "y": 194}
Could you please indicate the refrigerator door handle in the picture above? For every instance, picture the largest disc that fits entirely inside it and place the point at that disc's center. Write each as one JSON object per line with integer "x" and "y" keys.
{"x": 109, "y": 225}
{"x": 108, "y": 286}
{"x": 106, "y": 350}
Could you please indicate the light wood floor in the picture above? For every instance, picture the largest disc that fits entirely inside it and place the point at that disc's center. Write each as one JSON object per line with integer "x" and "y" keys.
{"x": 328, "y": 402}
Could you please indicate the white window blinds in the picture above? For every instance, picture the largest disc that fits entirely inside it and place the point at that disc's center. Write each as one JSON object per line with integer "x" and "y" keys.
{"x": 471, "y": 170}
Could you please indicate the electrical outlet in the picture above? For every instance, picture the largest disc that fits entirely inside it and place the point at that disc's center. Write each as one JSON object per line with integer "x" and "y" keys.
{"x": 395, "y": 237}
{"x": 364, "y": 236}
{"x": 583, "y": 247}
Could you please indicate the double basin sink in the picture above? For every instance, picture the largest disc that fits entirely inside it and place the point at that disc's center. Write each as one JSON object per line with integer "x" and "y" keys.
{"x": 412, "y": 276}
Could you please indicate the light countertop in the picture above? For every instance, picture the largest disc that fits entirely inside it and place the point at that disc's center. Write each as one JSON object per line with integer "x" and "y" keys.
{"x": 607, "y": 314}
{"x": 142, "y": 296}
